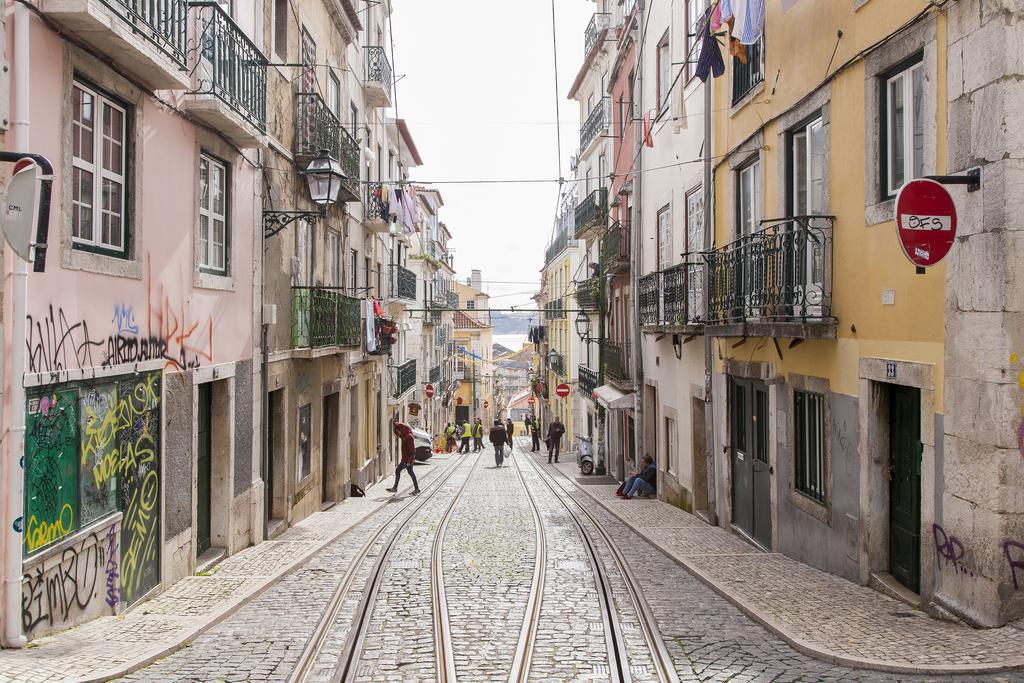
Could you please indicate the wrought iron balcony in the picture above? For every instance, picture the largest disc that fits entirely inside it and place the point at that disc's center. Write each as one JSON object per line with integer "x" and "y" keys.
{"x": 554, "y": 310}
{"x": 453, "y": 300}
{"x": 649, "y": 299}
{"x": 587, "y": 380}
{"x": 317, "y": 129}
{"x": 780, "y": 275}
{"x": 229, "y": 75}
{"x": 144, "y": 39}
{"x": 599, "y": 23}
{"x": 403, "y": 378}
{"x": 596, "y": 124}
{"x": 556, "y": 363}
{"x": 403, "y": 283}
{"x": 615, "y": 248}
{"x": 746, "y": 76}
{"x": 432, "y": 317}
{"x": 377, "y": 86}
{"x": 587, "y": 293}
{"x": 435, "y": 374}
{"x": 324, "y": 316}
{"x": 674, "y": 297}
{"x": 616, "y": 367}
{"x": 592, "y": 212}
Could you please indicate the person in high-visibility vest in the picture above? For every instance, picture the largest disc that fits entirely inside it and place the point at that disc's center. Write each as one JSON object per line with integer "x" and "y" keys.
{"x": 467, "y": 434}
{"x": 449, "y": 435}
{"x": 478, "y": 436}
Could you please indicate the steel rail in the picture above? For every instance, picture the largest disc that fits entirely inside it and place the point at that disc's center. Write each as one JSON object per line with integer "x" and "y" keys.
{"x": 652, "y": 634}
{"x": 323, "y": 627}
{"x": 617, "y": 658}
{"x": 520, "y": 672}
{"x": 347, "y": 670}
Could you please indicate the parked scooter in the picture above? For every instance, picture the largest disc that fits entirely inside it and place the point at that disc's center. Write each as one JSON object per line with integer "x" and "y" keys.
{"x": 585, "y": 456}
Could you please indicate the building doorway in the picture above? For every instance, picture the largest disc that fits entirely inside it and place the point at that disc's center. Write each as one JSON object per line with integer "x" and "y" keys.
{"x": 204, "y": 467}
{"x": 751, "y": 469}
{"x": 700, "y": 457}
{"x": 905, "y": 485}
{"x": 461, "y": 414}
{"x": 275, "y": 456}
{"x": 330, "y": 442}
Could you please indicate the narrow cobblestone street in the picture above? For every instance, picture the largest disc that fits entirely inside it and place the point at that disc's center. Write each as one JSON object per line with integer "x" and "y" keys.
{"x": 367, "y": 606}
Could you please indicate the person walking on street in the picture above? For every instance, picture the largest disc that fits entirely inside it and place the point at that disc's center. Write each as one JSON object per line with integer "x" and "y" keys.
{"x": 467, "y": 435}
{"x": 404, "y": 434}
{"x": 478, "y": 436}
{"x": 510, "y": 429}
{"x": 555, "y": 432}
{"x": 498, "y": 437}
{"x": 535, "y": 433}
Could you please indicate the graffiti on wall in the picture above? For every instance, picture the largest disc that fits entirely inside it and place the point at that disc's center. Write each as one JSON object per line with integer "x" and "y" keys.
{"x": 57, "y": 343}
{"x": 99, "y": 460}
{"x": 139, "y": 443}
{"x": 950, "y": 551}
{"x": 52, "y": 595}
{"x": 1014, "y": 552}
{"x": 51, "y": 447}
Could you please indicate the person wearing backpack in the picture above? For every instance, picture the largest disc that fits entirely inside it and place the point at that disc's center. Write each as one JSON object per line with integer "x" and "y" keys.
{"x": 555, "y": 432}
{"x": 404, "y": 434}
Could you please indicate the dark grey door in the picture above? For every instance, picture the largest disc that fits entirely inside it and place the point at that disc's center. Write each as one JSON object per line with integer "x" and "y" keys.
{"x": 905, "y": 486}
{"x": 204, "y": 437}
{"x": 751, "y": 469}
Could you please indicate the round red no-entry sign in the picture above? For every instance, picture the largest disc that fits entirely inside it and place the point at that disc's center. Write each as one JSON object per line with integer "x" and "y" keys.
{"x": 531, "y": 400}
{"x": 459, "y": 400}
{"x": 925, "y": 221}
{"x": 562, "y": 390}
{"x": 429, "y": 391}
{"x": 486, "y": 404}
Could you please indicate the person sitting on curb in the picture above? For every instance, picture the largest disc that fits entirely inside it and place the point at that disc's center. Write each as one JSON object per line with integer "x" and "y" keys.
{"x": 642, "y": 482}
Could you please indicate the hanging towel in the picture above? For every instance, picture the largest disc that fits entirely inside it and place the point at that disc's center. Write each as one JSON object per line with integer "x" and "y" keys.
{"x": 716, "y": 18}
{"x": 371, "y": 327}
{"x": 648, "y": 133}
{"x": 710, "y": 61}
{"x": 408, "y": 218}
{"x": 749, "y": 24}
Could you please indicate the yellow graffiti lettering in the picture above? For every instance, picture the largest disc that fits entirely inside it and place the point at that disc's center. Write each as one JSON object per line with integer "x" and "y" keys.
{"x": 105, "y": 469}
{"x": 42, "y": 533}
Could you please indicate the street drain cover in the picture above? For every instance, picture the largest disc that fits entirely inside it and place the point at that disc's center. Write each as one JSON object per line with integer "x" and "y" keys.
{"x": 904, "y": 615}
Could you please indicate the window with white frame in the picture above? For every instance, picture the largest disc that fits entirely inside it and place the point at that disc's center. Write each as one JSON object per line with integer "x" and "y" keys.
{"x": 695, "y": 243}
{"x": 334, "y": 93}
{"x": 664, "y": 71}
{"x": 664, "y": 237}
{"x": 212, "y": 240}
{"x": 334, "y": 254}
{"x": 694, "y": 15}
{"x": 748, "y": 197}
{"x": 99, "y": 165}
{"x": 902, "y": 127}
{"x": 670, "y": 445}
{"x": 807, "y": 168}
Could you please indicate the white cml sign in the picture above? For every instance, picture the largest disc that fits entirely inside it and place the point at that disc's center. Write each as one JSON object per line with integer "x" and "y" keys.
{"x": 21, "y": 207}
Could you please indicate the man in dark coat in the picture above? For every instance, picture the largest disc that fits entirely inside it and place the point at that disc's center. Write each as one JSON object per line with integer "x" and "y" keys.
{"x": 498, "y": 438}
{"x": 510, "y": 428}
{"x": 535, "y": 433}
{"x": 555, "y": 431}
{"x": 404, "y": 434}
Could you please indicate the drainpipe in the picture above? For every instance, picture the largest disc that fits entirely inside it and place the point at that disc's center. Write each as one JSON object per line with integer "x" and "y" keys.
{"x": 636, "y": 230}
{"x": 709, "y": 243}
{"x": 13, "y": 523}
{"x": 265, "y": 403}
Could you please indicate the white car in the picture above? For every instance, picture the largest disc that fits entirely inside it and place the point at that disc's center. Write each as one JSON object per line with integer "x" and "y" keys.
{"x": 424, "y": 444}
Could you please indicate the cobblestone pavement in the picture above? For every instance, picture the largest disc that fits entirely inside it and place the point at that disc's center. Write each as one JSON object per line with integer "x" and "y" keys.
{"x": 712, "y": 640}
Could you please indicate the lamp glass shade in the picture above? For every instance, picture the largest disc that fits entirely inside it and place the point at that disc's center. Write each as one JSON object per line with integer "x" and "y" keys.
{"x": 324, "y": 177}
{"x": 582, "y": 325}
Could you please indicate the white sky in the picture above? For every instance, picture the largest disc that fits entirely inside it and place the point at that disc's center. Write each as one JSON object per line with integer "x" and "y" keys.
{"x": 478, "y": 95}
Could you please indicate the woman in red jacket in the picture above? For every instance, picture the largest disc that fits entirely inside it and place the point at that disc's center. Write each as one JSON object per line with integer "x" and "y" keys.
{"x": 404, "y": 434}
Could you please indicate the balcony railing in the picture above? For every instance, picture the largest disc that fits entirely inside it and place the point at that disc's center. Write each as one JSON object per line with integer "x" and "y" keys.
{"x": 403, "y": 282}
{"x": 615, "y": 365}
{"x": 435, "y": 374}
{"x": 453, "y": 300}
{"x": 378, "y": 73}
{"x": 649, "y": 298}
{"x": 587, "y": 293}
{"x": 160, "y": 22}
{"x": 317, "y": 129}
{"x": 592, "y": 211}
{"x": 229, "y": 65}
{"x": 674, "y": 297}
{"x": 556, "y": 363}
{"x": 781, "y": 273}
{"x": 324, "y": 317}
{"x": 587, "y": 380}
{"x": 601, "y": 21}
{"x": 597, "y": 122}
{"x": 615, "y": 248}
{"x": 746, "y": 76}
{"x": 558, "y": 244}
{"x": 554, "y": 310}
{"x": 404, "y": 377}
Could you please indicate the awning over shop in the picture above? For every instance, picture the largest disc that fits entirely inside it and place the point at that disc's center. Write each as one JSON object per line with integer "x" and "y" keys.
{"x": 611, "y": 397}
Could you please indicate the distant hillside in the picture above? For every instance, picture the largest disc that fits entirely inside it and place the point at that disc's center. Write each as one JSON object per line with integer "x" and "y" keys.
{"x": 511, "y": 323}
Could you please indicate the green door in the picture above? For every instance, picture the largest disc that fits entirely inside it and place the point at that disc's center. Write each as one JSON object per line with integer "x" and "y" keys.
{"x": 905, "y": 486}
{"x": 751, "y": 466}
{"x": 205, "y": 438}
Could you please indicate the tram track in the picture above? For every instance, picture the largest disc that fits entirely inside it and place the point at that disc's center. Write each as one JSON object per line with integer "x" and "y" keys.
{"x": 617, "y": 655}
{"x": 309, "y": 655}
{"x": 348, "y": 667}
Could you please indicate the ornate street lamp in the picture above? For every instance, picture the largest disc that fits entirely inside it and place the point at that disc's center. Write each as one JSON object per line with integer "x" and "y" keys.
{"x": 583, "y": 326}
{"x": 324, "y": 177}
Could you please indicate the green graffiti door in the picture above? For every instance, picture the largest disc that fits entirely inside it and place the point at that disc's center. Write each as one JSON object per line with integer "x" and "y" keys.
{"x": 204, "y": 434}
{"x": 51, "y": 469}
{"x": 138, "y": 423}
{"x": 905, "y": 485}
